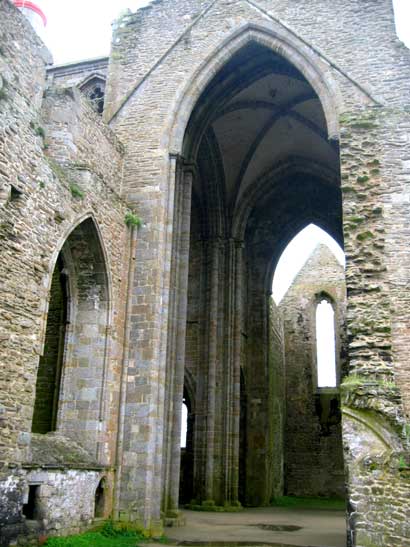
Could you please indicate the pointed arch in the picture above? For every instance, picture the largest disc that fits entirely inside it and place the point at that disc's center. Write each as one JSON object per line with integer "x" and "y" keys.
{"x": 282, "y": 42}
{"x": 80, "y": 383}
{"x": 89, "y": 215}
{"x": 293, "y": 233}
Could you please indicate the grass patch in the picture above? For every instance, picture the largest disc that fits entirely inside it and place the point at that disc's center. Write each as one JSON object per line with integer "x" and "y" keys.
{"x": 309, "y": 503}
{"x": 111, "y": 534}
{"x": 92, "y": 539}
{"x": 131, "y": 219}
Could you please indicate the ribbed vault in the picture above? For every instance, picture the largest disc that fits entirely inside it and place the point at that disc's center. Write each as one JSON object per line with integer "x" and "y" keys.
{"x": 256, "y": 113}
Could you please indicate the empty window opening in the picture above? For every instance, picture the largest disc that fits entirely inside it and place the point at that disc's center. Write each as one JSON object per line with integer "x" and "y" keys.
{"x": 50, "y": 365}
{"x": 96, "y": 98}
{"x": 30, "y": 509}
{"x": 94, "y": 90}
{"x": 325, "y": 344}
{"x": 100, "y": 499}
{"x": 297, "y": 253}
{"x": 184, "y": 424}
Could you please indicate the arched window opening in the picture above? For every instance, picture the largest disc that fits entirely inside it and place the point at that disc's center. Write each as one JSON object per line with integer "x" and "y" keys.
{"x": 71, "y": 378}
{"x": 49, "y": 371}
{"x": 297, "y": 253}
{"x": 325, "y": 344}
{"x": 184, "y": 424}
{"x": 94, "y": 90}
{"x": 99, "y": 499}
{"x": 187, "y": 449}
{"x": 96, "y": 98}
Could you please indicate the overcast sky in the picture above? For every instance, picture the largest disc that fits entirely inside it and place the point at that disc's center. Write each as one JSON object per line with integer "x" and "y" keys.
{"x": 80, "y": 29}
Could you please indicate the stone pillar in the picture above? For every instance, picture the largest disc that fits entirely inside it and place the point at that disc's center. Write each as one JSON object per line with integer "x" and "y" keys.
{"x": 258, "y": 426}
{"x": 176, "y": 357}
{"x": 140, "y": 484}
{"x": 214, "y": 250}
{"x": 236, "y": 374}
{"x": 231, "y": 372}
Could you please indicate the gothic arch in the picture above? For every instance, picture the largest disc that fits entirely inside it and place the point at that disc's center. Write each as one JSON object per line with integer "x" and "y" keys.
{"x": 294, "y": 50}
{"x": 263, "y": 185}
{"x": 85, "y": 344}
{"x": 53, "y": 261}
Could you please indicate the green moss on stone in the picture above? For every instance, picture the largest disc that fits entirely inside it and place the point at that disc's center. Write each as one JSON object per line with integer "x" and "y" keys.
{"x": 374, "y": 163}
{"x": 363, "y": 236}
{"x": 356, "y": 219}
{"x": 76, "y": 191}
{"x": 362, "y": 179}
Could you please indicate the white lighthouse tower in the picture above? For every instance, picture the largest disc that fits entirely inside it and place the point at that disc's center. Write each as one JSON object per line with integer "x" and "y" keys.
{"x": 34, "y": 13}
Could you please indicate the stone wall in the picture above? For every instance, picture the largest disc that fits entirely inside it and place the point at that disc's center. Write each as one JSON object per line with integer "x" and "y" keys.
{"x": 313, "y": 435}
{"x": 374, "y": 186}
{"x": 277, "y": 363}
{"x": 76, "y": 74}
{"x": 60, "y": 169}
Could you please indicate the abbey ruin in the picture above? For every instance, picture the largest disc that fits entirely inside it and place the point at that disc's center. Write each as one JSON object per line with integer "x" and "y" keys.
{"x": 145, "y": 200}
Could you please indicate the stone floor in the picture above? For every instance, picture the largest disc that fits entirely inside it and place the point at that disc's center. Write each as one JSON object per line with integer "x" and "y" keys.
{"x": 263, "y": 526}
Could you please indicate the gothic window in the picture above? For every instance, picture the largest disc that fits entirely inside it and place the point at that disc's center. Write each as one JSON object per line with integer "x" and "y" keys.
{"x": 72, "y": 369}
{"x": 94, "y": 89}
{"x": 325, "y": 344}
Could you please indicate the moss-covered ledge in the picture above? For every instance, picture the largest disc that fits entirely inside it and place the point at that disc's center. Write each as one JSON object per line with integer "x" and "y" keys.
{"x": 378, "y": 396}
{"x": 54, "y": 450}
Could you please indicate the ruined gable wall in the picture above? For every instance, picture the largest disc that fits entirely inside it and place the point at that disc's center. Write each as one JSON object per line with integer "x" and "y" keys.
{"x": 359, "y": 36}
{"x": 42, "y": 154}
{"x": 313, "y": 434}
{"x": 355, "y": 32}
{"x": 142, "y": 38}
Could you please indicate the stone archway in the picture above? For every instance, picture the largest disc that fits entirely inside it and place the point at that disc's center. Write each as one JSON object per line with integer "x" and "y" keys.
{"x": 260, "y": 163}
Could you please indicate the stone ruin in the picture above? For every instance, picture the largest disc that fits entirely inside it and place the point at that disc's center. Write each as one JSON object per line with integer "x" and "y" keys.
{"x": 145, "y": 200}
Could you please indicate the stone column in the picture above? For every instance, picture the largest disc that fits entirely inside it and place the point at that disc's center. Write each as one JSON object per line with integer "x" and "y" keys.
{"x": 258, "y": 470}
{"x": 141, "y": 485}
{"x": 236, "y": 375}
{"x": 181, "y": 294}
{"x": 171, "y": 340}
{"x": 214, "y": 250}
{"x": 231, "y": 373}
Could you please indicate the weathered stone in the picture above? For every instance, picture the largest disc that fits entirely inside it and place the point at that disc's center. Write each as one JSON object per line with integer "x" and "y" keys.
{"x": 245, "y": 121}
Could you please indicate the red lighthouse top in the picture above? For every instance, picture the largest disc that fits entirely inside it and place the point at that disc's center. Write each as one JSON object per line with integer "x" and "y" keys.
{"x": 27, "y": 6}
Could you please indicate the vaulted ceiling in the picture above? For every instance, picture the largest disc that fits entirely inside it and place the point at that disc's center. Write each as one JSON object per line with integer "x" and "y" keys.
{"x": 256, "y": 113}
